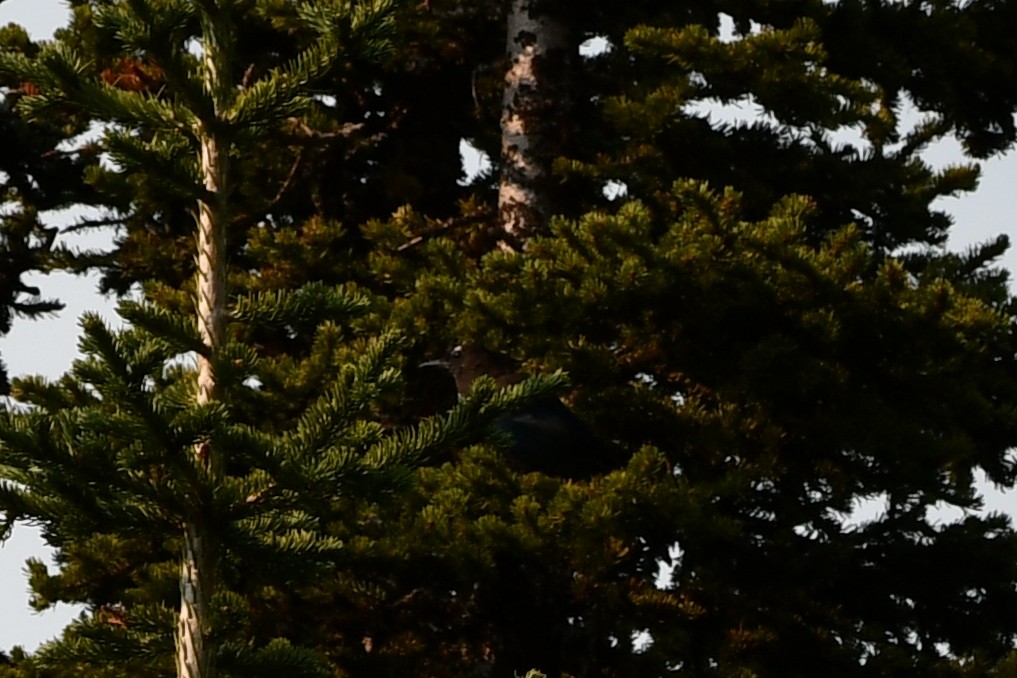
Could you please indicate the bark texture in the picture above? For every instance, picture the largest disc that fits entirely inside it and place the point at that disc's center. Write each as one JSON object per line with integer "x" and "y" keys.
{"x": 196, "y": 653}
{"x": 536, "y": 95}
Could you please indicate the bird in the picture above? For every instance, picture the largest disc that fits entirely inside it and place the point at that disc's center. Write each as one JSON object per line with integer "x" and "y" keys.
{"x": 545, "y": 435}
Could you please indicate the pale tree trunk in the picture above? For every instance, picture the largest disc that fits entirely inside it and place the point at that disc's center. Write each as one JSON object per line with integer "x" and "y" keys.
{"x": 196, "y": 653}
{"x": 534, "y": 105}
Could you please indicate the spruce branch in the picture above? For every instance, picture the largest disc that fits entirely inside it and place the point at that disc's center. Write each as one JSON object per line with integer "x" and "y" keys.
{"x": 443, "y": 227}
{"x": 314, "y": 302}
{"x": 161, "y": 35}
{"x": 116, "y": 637}
{"x": 282, "y": 93}
{"x": 278, "y": 658}
{"x": 63, "y": 79}
{"x": 178, "y": 332}
{"x": 172, "y": 153}
{"x": 360, "y": 28}
{"x": 82, "y": 223}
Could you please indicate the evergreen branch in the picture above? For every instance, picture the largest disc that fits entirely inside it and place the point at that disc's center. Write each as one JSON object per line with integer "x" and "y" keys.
{"x": 101, "y": 344}
{"x": 286, "y": 535}
{"x": 132, "y": 108}
{"x": 111, "y": 104}
{"x": 82, "y": 223}
{"x": 240, "y": 493}
{"x": 263, "y": 496}
{"x": 445, "y": 226}
{"x": 65, "y": 393}
{"x": 178, "y": 171}
{"x": 26, "y": 69}
{"x": 197, "y": 424}
{"x": 532, "y": 389}
{"x": 323, "y": 473}
{"x": 114, "y": 637}
{"x": 234, "y": 362}
{"x": 138, "y": 27}
{"x": 127, "y": 362}
{"x": 161, "y": 36}
{"x": 410, "y": 447}
{"x": 37, "y": 308}
{"x": 252, "y": 446}
{"x": 928, "y": 130}
{"x": 13, "y": 506}
{"x": 362, "y": 27}
{"x": 67, "y": 82}
{"x": 280, "y": 94}
{"x": 181, "y": 332}
{"x": 325, "y": 434}
{"x": 67, "y": 507}
{"x": 325, "y": 425}
{"x": 72, "y": 472}
{"x": 278, "y": 658}
{"x": 484, "y": 404}
{"x": 314, "y": 302}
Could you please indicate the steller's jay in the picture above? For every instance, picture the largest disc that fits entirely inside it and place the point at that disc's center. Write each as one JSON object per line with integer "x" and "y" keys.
{"x": 546, "y": 436}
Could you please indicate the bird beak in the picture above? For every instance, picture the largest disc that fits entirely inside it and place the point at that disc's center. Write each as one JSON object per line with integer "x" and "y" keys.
{"x": 435, "y": 363}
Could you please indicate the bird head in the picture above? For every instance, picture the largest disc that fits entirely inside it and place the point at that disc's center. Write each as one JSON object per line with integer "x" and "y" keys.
{"x": 466, "y": 362}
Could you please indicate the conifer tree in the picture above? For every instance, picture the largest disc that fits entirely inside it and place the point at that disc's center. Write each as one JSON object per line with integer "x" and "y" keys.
{"x": 127, "y": 446}
{"x": 37, "y": 176}
{"x": 766, "y": 362}
{"x": 774, "y": 492}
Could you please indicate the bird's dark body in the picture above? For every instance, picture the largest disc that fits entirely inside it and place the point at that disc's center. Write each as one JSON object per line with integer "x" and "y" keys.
{"x": 548, "y": 437}
{"x": 544, "y": 436}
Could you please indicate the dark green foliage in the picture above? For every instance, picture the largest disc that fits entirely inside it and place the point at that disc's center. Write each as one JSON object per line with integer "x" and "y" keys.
{"x": 102, "y": 462}
{"x": 666, "y": 127}
{"x": 950, "y": 58}
{"x": 526, "y": 569}
{"x": 24, "y": 247}
{"x": 767, "y": 325}
{"x": 782, "y": 382}
{"x": 38, "y": 175}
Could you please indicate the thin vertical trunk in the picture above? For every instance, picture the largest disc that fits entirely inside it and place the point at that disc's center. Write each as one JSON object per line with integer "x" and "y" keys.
{"x": 538, "y": 51}
{"x": 200, "y": 562}
{"x": 196, "y": 653}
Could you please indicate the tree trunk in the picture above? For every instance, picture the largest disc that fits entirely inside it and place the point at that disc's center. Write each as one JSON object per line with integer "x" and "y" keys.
{"x": 200, "y": 562}
{"x": 534, "y": 111}
{"x": 196, "y": 653}
{"x": 535, "y": 100}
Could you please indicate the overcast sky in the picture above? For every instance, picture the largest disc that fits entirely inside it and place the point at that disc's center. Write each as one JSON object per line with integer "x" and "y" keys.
{"x": 47, "y": 347}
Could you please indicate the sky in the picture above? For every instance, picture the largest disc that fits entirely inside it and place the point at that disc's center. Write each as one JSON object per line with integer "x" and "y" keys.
{"x": 48, "y": 346}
